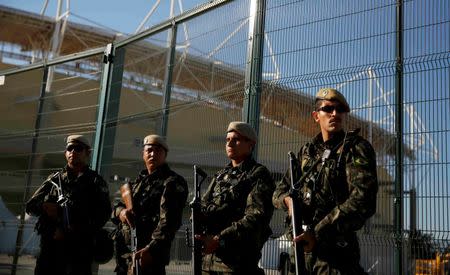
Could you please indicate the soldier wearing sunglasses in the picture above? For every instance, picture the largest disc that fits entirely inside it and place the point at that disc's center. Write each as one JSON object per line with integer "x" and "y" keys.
{"x": 337, "y": 195}
{"x": 72, "y": 205}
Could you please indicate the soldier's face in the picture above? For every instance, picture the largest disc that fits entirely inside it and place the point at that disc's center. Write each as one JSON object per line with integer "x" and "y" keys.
{"x": 330, "y": 116}
{"x": 153, "y": 156}
{"x": 77, "y": 155}
{"x": 238, "y": 147}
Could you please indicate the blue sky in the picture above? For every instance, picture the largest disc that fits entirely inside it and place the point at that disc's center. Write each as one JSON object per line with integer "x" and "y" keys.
{"x": 119, "y": 15}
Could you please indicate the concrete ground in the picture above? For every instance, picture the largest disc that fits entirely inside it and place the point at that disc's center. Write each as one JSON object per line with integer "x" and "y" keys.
{"x": 26, "y": 264}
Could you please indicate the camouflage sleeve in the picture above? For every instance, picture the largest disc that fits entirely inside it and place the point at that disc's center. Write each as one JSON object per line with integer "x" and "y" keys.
{"x": 118, "y": 206}
{"x": 207, "y": 195}
{"x": 117, "y": 203}
{"x": 361, "y": 203}
{"x": 284, "y": 185}
{"x": 258, "y": 211}
{"x": 34, "y": 204}
{"x": 172, "y": 203}
{"x": 206, "y": 198}
{"x": 281, "y": 192}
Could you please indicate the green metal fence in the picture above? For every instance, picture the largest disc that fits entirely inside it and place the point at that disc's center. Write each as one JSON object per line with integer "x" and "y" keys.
{"x": 259, "y": 61}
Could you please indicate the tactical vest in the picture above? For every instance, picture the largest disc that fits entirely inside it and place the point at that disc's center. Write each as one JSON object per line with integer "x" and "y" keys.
{"x": 78, "y": 193}
{"x": 326, "y": 186}
{"x": 228, "y": 200}
{"x": 146, "y": 206}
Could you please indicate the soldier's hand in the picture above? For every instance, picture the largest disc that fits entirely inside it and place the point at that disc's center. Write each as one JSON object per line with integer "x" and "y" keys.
{"x": 288, "y": 202}
{"x": 127, "y": 216}
{"x": 210, "y": 243}
{"x": 307, "y": 239}
{"x": 144, "y": 257}
{"x": 50, "y": 209}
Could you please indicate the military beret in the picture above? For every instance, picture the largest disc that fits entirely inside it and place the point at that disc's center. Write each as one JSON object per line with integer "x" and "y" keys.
{"x": 78, "y": 139}
{"x": 156, "y": 140}
{"x": 332, "y": 95}
{"x": 244, "y": 129}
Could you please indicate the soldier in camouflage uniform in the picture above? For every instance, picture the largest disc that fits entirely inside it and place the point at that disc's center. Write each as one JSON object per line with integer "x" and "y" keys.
{"x": 67, "y": 227}
{"x": 159, "y": 196}
{"x": 339, "y": 194}
{"x": 237, "y": 208}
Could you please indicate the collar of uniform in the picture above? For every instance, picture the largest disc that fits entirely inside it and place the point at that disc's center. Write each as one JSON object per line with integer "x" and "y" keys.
{"x": 160, "y": 170}
{"x": 244, "y": 166}
{"x": 331, "y": 143}
{"x": 67, "y": 170}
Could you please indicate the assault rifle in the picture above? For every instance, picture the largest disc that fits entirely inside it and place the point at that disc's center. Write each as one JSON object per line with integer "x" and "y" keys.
{"x": 296, "y": 218}
{"x": 297, "y": 213}
{"x": 125, "y": 191}
{"x": 196, "y": 226}
{"x": 62, "y": 201}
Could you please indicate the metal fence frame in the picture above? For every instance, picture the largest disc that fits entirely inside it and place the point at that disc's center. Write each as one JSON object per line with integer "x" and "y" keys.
{"x": 112, "y": 75}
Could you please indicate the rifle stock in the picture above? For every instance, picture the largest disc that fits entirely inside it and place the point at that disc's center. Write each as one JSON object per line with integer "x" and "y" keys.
{"x": 196, "y": 226}
{"x": 296, "y": 218}
{"x": 125, "y": 191}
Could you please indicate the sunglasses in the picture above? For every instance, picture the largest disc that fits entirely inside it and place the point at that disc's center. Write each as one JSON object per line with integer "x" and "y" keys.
{"x": 76, "y": 148}
{"x": 330, "y": 108}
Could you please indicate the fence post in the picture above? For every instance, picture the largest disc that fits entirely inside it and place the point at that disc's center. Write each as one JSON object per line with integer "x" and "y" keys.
{"x": 31, "y": 160}
{"x": 168, "y": 81}
{"x": 253, "y": 72}
{"x": 108, "y": 109}
{"x": 398, "y": 189}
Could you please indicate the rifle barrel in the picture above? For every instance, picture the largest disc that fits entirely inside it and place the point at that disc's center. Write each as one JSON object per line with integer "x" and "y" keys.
{"x": 296, "y": 218}
{"x": 196, "y": 226}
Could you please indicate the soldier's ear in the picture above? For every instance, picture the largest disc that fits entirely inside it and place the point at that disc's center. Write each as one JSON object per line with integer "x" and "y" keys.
{"x": 315, "y": 116}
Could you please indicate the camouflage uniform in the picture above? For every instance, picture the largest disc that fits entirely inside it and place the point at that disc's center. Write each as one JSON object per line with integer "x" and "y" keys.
{"x": 88, "y": 207}
{"x": 237, "y": 206}
{"x": 343, "y": 198}
{"x": 158, "y": 202}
